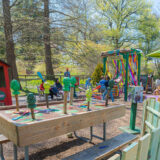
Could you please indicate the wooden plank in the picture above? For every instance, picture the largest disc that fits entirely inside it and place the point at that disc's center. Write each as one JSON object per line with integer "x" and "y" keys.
{"x": 155, "y": 136}
{"x": 39, "y": 131}
{"x": 155, "y": 117}
{"x": 157, "y": 108}
{"x": 150, "y": 126}
{"x": 150, "y": 117}
{"x": 145, "y": 104}
{"x": 158, "y": 154}
{"x": 115, "y": 157}
{"x": 130, "y": 153}
{"x": 143, "y": 147}
{"x": 8, "y": 129}
{"x": 104, "y": 149}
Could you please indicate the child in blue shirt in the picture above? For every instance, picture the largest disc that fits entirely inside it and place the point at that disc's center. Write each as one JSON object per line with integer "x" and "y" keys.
{"x": 88, "y": 83}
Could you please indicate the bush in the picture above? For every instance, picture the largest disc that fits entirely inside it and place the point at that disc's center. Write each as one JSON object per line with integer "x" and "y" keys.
{"x": 97, "y": 74}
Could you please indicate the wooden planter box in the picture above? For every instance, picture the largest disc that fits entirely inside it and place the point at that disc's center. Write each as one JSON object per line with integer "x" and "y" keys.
{"x": 37, "y": 131}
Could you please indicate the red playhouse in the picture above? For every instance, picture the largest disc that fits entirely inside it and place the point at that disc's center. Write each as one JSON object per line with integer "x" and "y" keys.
{"x": 5, "y": 92}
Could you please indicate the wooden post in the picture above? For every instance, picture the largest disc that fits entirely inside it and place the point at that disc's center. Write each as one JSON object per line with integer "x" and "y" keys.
{"x": 32, "y": 113}
{"x": 139, "y": 68}
{"x": 126, "y": 79}
{"x": 71, "y": 95}
{"x": 107, "y": 97}
{"x": 17, "y": 103}
{"x": 47, "y": 100}
{"x": 88, "y": 105}
{"x": 65, "y": 102}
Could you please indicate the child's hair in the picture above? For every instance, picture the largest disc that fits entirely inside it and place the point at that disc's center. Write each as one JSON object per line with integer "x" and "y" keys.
{"x": 102, "y": 77}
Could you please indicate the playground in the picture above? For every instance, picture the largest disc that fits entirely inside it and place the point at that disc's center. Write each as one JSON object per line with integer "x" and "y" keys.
{"x": 80, "y": 80}
{"x": 116, "y": 123}
{"x": 62, "y": 146}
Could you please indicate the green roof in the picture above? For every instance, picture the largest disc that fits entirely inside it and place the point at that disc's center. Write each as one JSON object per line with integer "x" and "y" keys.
{"x": 155, "y": 54}
{"x": 120, "y": 51}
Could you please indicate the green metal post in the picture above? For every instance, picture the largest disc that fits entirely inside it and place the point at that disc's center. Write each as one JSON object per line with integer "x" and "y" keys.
{"x": 126, "y": 80}
{"x": 117, "y": 68}
{"x": 139, "y": 68}
{"x": 133, "y": 116}
{"x": 104, "y": 65}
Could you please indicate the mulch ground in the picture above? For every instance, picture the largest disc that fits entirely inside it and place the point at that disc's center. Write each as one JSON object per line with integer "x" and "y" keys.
{"x": 62, "y": 146}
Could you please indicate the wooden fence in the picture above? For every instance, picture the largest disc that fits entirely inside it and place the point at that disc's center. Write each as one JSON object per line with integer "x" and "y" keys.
{"x": 148, "y": 146}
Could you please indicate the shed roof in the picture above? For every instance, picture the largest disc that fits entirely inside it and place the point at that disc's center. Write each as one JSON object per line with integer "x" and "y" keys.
{"x": 3, "y": 62}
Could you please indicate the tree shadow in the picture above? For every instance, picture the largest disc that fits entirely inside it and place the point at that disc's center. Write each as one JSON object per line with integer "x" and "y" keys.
{"x": 55, "y": 150}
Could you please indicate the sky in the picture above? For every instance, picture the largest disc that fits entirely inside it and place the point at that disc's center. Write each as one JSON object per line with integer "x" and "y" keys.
{"x": 156, "y": 6}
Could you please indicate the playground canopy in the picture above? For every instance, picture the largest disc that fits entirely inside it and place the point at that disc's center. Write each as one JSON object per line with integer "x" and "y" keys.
{"x": 127, "y": 55}
{"x": 120, "y": 51}
{"x": 155, "y": 54}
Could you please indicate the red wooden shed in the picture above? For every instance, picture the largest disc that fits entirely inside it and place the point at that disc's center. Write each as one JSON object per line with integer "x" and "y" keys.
{"x": 5, "y": 92}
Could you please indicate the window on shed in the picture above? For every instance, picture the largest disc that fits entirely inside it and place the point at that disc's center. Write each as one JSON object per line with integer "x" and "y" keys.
{"x": 2, "y": 77}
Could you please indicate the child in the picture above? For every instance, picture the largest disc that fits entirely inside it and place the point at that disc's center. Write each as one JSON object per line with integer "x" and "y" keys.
{"x": 106, "y": 89}
{"x": 55, "y": 89}
{"x": 88, "y": 83}
{"x": 102, "y": 83}
{"x": 41, "y": 87}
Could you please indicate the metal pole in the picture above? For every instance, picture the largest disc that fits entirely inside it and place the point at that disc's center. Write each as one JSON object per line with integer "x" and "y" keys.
{"x": 139, "y": 68}
{"x": 26, "y": 153}
{"x": 15, "y": 152}
{"x": 126, "y": 80}
{"x": 1, "y": 152}
{"x": 133, "y": 116}
{"x": 104, "y": 65}
{"x": 104, "y": 131}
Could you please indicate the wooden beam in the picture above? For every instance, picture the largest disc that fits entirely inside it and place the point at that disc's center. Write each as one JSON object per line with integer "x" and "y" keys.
{"x": 8, "y": 129}
{"x": 39, "y": 131}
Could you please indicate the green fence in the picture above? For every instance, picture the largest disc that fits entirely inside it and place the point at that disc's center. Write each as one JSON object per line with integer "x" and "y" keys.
{"x": 30, "y": 82}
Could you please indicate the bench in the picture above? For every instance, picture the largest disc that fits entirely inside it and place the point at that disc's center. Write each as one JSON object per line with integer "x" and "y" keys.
{"x": 3, "y": 140}
{"x": 42, "y": 95}
{"x": 105, "y": 148}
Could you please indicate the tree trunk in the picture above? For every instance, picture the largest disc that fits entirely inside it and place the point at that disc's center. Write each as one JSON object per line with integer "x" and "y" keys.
{"x": 48, "y": 57}
{"x": 11, "y": 58}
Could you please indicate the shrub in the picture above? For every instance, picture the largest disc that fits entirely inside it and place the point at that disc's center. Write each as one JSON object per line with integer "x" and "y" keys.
{"x": 97, "y": 74}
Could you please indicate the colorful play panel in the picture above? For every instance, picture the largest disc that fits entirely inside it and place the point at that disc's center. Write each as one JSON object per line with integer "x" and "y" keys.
{"x": 54, "y": 111}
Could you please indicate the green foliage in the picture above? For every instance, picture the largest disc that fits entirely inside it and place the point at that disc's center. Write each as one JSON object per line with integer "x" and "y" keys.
{"x": 97, "y": 74}
{"x": 66, "y": 82}
{"x": 15, "y": 86}
{"x": 31, "y": 100}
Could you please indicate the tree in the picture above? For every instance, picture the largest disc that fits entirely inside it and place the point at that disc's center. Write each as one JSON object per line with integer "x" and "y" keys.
{"x": 48, "y": 56}
{"x": 120, "y": 17}
{"x": 11, "y": 58}
{"x": 148, "y": 27}
{"x": 98, "y": 73}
